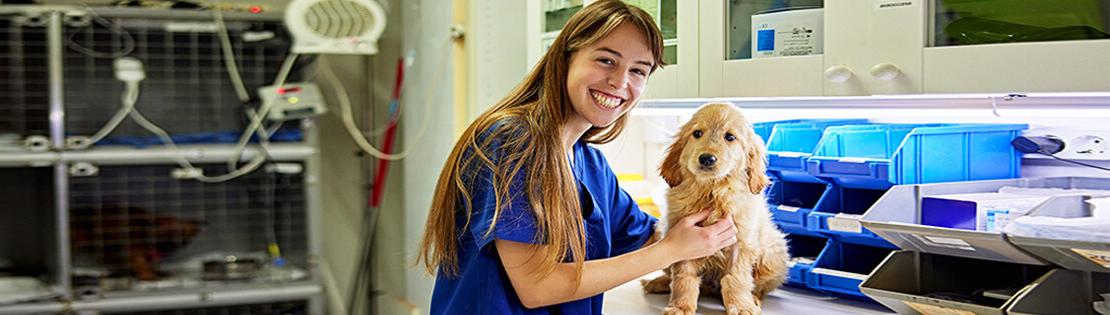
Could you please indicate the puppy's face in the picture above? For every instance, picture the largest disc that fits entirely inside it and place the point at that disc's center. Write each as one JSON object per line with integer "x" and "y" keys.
{"x": 717, "y": 143}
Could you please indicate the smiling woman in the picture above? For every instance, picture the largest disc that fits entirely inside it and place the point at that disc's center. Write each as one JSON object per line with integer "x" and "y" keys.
{"x": 527, "y": 217}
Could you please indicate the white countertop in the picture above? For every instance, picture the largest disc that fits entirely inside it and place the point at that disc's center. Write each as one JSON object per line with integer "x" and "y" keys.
{"x": 630, "y": 299}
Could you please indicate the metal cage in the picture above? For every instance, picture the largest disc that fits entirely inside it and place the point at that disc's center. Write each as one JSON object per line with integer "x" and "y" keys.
{"x": 281, "y": 308}
{"x": 24, "y": 99}
{"x": 187, "y": 88}
{"x": 138, "y": 228}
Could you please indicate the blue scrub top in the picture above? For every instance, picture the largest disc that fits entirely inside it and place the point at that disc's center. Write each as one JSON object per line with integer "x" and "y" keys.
{"x": 614, "y": 226}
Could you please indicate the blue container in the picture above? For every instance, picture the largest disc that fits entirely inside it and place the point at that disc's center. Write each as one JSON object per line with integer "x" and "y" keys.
{"x": 837, "y": 215}
{"x": 802, "y": 248}
{"x": 881, "y": 155}
{"x": 281, "y": 135}
{"x": 791, "y": 202}
{"x": 841, "y": 268}
{"x": 793, "y": 192}
{"x": 790, "y": 144}
{"x": 764, "y": 129}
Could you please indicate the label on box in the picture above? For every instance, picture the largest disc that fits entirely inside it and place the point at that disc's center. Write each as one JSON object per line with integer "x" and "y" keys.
{"x": 1100, "y": 257}
{"x": 852, "y": 160}
{"x": 936, "y": 310}
{"x": 840, "y": 274}
{"x": 787, "y": 154}
{"x": 846, "y": 223}
{"x": 946, "y": 242}
{"x": 891, "y": 4}
{"x": 789, "y": 208}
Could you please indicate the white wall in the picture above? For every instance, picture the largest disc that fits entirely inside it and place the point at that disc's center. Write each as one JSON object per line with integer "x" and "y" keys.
{"x": 429, "y": 107}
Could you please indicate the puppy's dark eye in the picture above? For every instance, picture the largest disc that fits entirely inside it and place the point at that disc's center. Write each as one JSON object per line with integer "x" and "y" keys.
{"x": 729, "y": 137}
{"x": 697, "y": 133}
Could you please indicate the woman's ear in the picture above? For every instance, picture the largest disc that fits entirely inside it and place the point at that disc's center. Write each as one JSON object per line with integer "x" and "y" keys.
{"x": 671, "y": 169}
{"x": 757, "y": 164}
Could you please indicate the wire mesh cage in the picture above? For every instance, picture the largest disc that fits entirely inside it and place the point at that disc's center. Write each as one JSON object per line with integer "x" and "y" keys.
{"x": 281, "y": 308}
{"x": 27, "y": 215}
{"x": 24, "y": 87}
{"x": 137, "y": 228}
{"x": 187, "y": 89}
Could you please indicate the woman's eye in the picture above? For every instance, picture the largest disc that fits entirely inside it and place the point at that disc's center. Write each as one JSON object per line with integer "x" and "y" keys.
{"x": 697, "y": 133}
{"x": 729, "y": 137}
{"x": 639, "y": 72}
{"x": 605, "y": 61}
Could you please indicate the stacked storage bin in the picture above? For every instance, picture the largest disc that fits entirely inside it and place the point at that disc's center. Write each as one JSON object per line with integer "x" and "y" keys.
{"x": 823, "y": 193}
{"x": 952, "y": 269}
{"x": 793, "y": 192}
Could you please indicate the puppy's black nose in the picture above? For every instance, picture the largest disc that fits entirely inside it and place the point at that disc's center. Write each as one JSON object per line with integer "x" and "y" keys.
{"x": 707, "y": 160}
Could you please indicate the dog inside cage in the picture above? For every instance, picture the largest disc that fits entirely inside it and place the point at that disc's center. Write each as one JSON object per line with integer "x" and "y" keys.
{"x": 139, "y": 228}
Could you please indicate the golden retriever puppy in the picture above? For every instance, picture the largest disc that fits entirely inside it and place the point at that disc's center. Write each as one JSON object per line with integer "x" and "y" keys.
{"x": 717, "y": 162}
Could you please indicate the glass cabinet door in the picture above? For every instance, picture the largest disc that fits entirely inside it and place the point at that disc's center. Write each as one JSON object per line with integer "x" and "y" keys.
{"x": 774, "y": 28}
{"x": 968, "y": 22}
{"x": 1017, "y": 46}
{"x": 762, "y": 47}
{"x": 556, "y": 13}
{"x": 677, "y": 20}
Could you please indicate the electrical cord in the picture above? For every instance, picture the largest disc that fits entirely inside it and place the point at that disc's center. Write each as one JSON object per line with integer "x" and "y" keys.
{"x": 1074, "y": 161}
{"x": 229, "y": 58}
{"x": 347, "y": 115}
{"x": 128, "y": 40}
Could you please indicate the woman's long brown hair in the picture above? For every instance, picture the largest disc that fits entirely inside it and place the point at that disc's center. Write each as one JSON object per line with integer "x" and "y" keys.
{"x": 526, "y": 124}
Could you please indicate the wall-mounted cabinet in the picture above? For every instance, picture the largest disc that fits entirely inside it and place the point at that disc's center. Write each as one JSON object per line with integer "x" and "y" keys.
{"x": 678, "y": 20}
{"x": 903, "y": 46}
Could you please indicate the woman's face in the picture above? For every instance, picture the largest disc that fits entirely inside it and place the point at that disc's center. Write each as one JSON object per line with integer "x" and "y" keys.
{"x": 606, "y": 78}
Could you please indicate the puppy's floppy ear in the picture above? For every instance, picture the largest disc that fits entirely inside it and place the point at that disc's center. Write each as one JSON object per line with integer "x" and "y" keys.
{"x": 757, "y": 163}
{"x": 671, "y": 169}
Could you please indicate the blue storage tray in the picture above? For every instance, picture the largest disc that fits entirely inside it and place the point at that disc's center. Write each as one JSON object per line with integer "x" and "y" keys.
{"x": 841, "y": 268}
{"x": 791, "y": 143}
{"x": 281, "y": 135}
{"x": 791, "y": 202}
{"x": 803, "y": 246}
{"x": 764, "y": 129}
{"x": 838, "y": 213}
{"x": 882, "y": 155}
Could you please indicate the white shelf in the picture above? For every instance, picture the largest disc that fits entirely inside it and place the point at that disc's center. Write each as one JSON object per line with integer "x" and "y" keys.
{"x": 223, "y": 296}
{"x": 194, "y": 153}
{"x": 1069, "y": 100}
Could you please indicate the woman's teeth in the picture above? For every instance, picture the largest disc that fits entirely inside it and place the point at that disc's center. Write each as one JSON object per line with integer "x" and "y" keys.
{"x": 605, "y": 100}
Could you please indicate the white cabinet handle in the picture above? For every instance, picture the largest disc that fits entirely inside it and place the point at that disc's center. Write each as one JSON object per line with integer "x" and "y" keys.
{"x": 838, "y": 73}
{"x": 885, "y": 71}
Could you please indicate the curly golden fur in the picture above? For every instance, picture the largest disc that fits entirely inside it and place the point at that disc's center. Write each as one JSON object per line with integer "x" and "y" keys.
{"x": 717, "y": 162}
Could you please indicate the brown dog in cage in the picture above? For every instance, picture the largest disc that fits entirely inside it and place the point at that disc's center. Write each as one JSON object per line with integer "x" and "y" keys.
{"x": 130, "y": 240}
{"x": 718, "y": 162}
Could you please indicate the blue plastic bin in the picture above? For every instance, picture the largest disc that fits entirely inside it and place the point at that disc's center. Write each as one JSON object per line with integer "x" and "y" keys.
{"x": 806, "y": 247}
{"x": 791, "y": 143}
{"x": 838, "y": 213}
{"x": 281, "y": 135}
{"x": 791, "y": 202}
{"x": 764, "y": 129}
{"x": 794, "y": 192}
{"x": 881, "y": 155}
{"x": 841, "y": 268}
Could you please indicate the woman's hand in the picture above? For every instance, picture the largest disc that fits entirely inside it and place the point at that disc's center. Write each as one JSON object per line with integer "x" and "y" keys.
{"x": 687, "y": 240}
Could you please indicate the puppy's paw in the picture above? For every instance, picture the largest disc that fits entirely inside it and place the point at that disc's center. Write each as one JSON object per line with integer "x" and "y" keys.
{"x": 662, "y": 284}
{"x": 678, "y": 310}
{"x": 738, "y": 310}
